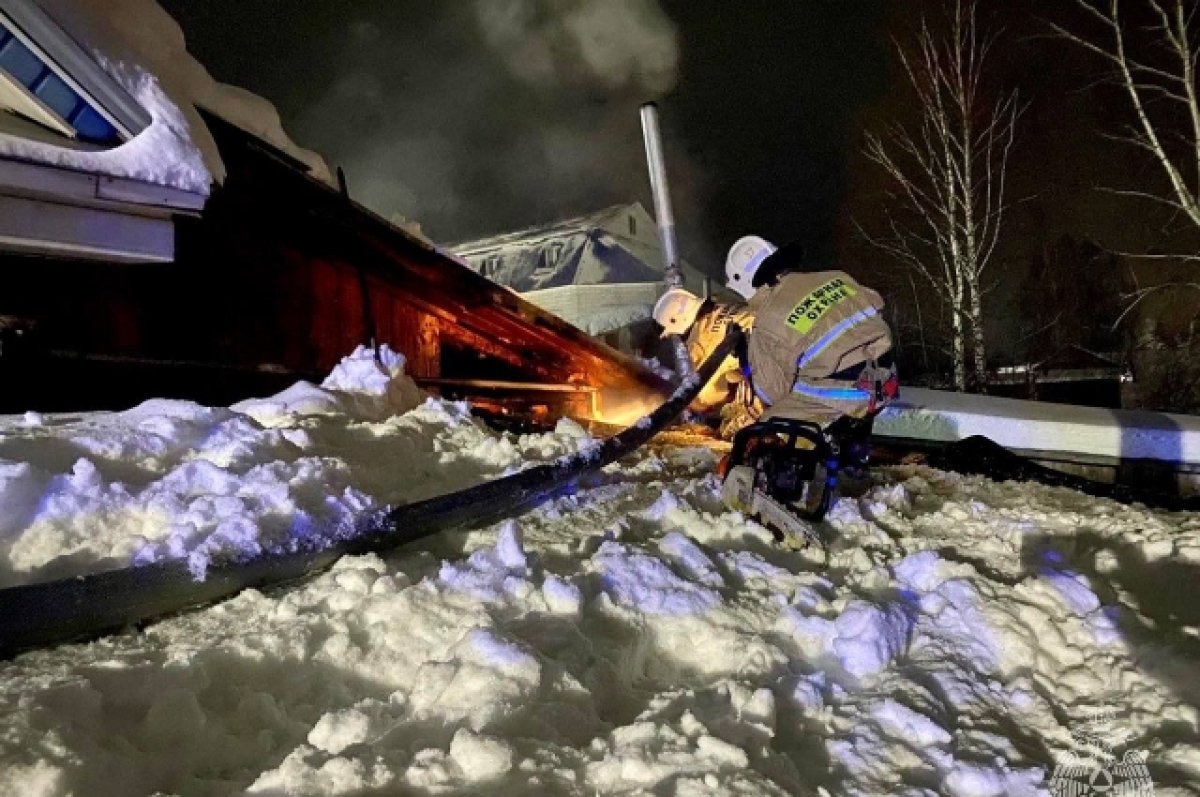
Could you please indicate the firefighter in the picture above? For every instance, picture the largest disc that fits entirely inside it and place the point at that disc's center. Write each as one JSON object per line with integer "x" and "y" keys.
{"x": 702, "y": 323}
{"x": 820, "y": 350}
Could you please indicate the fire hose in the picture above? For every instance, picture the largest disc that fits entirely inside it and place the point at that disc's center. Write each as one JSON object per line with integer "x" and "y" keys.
{"x": 86, "y": 607}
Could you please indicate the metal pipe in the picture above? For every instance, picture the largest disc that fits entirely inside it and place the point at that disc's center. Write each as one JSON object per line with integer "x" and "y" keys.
{"x": 665, "y": 217}
{"x": 662, "y": 194}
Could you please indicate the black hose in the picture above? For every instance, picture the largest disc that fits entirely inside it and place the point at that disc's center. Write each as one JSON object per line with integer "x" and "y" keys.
{"x": 86, "y": 607}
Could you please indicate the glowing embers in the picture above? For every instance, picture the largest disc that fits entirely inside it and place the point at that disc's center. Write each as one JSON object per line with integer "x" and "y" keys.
{"x": 624, "y": 407}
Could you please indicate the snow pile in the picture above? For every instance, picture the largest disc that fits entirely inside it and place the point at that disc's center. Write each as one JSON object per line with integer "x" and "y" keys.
{"x": 172, "y": 479}
{"x": 633, "y": 637}
{"x": 636, "y": 637}
{"x": 360, "y": 386}
{"x": 143, "y": 50}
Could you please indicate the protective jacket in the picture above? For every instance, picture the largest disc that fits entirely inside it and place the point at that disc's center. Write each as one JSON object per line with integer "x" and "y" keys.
{"x": 814, "y": 334}
{"x": 704, "y": 336}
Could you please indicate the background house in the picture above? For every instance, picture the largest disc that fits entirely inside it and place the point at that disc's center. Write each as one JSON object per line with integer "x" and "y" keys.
{"x": 1071, "y": 375}
{"x": 601, "y": 272}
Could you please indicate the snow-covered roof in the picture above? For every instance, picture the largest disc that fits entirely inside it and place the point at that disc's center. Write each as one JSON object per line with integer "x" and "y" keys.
{"x": 142, "y": 51}
{"x": 530, "y": 236}
{"x": 597, "y": 309}
{"x": 48, "y": 79}
{"x": 616, "y": 245}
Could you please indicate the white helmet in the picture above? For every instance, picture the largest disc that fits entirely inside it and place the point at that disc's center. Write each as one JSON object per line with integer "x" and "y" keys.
{"x": 745, "y": 256}
{"x": 676, "y": 311}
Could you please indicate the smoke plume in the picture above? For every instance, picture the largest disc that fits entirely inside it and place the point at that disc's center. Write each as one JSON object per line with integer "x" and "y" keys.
{"x": 494, "y": 115}
{"x": 605, "y": 43}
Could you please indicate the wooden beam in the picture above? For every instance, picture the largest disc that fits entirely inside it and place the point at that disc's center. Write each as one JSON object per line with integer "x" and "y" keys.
{"x": 467, "y": 338}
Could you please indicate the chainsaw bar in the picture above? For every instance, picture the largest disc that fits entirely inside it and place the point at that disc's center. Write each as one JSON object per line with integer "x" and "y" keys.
{"x": 739, "y": 493}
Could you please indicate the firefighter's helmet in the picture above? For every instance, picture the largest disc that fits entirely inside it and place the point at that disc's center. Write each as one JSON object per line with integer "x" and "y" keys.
{"x": 744, "y": 259}
{"x": 676, "y": 311}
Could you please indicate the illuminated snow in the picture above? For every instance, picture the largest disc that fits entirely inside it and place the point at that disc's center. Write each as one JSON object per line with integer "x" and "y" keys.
{"x": 173, "y": 479}
{"x": 632, "y": 636}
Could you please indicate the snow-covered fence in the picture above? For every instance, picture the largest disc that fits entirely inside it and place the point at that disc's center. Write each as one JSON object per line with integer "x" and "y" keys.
{"x": 1102, "y": 444}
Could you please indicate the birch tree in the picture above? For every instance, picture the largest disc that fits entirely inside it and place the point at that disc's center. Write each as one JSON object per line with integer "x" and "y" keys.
{"x": 1171, "y": 81}
{"x": 1156, "y": 70}
{"x": 946, "y": 176}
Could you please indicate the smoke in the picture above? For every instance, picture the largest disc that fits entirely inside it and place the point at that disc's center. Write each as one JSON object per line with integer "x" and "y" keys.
{"x": 494, "y": 115}
{"x": 606, "y": 43}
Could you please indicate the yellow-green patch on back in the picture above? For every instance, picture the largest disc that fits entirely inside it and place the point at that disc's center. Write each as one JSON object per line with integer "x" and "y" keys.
{"x": 809, "y": 310}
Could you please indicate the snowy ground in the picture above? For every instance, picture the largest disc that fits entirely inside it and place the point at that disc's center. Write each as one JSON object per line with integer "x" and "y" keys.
{"x": 633, "y": 638}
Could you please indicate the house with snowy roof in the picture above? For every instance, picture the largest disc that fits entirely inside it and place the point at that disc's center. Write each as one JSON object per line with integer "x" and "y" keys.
{"x": 1070, "y": 375}
{"x": 602, "y": 272}
{"x": 160, "y": 235}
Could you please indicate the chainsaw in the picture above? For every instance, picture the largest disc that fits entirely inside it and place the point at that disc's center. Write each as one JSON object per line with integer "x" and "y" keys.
{"x": 784, "y": 473}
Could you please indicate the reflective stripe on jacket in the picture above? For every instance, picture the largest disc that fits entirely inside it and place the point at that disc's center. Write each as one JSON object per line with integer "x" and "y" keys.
{"x": 811, "y": 325}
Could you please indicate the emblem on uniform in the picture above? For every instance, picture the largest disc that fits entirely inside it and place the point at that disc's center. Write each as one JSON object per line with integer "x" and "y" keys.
{"x": 809, "y": 310}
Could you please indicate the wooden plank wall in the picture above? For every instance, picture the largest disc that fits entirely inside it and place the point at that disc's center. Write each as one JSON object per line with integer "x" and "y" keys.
{"x": 337, "y": 323}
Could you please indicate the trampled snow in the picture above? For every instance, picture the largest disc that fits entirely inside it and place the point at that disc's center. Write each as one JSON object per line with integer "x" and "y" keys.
{"x": 634, "y": 637}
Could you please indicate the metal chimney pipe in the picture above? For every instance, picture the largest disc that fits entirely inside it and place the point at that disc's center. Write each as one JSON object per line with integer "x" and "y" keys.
{"x": 673, "y": 276}
{"x": 662, "y": 194}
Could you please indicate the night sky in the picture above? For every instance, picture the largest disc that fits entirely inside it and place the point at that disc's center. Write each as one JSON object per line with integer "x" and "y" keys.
{"x": 432, "y": 109}
{"x": 476, "y": 117}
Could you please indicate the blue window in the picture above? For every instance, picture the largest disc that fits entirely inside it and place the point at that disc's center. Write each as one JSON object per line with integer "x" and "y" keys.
{"x": 18, "y": 60}
{"x": 91, "y": 126}
{"x": 57, "y": 95}
{"x": 24, "y": 66}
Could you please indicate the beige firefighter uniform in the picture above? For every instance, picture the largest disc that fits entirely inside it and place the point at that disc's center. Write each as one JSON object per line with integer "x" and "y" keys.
{"x": 813, "y": 335}
{"x": 705, "y": 335}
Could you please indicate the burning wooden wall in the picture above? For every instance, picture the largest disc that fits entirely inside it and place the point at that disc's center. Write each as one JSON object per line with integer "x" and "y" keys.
{"x": 271, "y": 282}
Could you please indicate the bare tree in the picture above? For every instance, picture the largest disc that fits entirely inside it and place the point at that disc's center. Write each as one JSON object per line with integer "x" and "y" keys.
{"x": 1173, "y": 82}
{"x": 946, "y": 198}
{"x": 1161, "y": 85}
